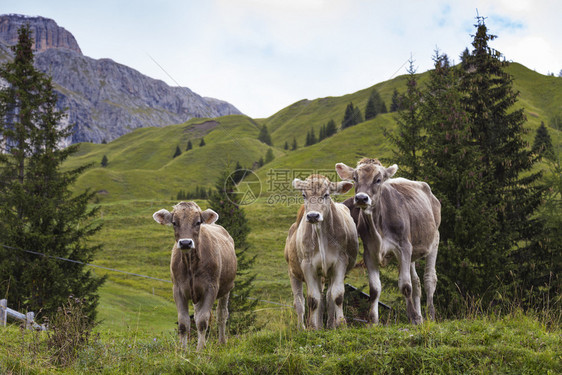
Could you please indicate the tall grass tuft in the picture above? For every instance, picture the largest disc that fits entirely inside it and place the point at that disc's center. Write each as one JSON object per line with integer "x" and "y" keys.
{"x": 70, "y": 331}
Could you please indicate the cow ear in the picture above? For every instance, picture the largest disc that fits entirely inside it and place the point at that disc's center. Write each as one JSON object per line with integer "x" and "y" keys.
{"x": 345, "y": 172}
{"x": 163, "y": 217}
{"x": 390, "y": 171}
{"x": 299, "y": 184}
{"x": 341, "y": 187}
{"x": 209, "y": 216}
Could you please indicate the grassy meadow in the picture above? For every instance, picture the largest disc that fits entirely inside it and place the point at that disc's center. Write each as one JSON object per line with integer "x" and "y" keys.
{"x": 137, "y": 329}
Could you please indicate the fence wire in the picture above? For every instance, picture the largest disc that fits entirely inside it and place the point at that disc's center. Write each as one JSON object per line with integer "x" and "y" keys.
{"x": 119, "y": 271}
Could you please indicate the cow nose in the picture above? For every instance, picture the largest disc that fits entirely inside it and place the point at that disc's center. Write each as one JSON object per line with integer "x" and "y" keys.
{"x": 313, "y": 217}
{"x": 186, "y": 244}
{"x": 361, "y": 199}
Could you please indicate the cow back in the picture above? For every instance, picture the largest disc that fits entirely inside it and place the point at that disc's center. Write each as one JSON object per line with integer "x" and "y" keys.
{"x": 408, "y": 210}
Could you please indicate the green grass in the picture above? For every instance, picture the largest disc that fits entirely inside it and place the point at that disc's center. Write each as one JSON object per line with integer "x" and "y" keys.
{"x": 514, "y": 344}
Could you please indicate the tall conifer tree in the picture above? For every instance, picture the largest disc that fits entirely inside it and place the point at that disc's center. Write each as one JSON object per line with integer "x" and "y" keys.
{"x": 38, "y": 210}
{"x": 510, "y": 189}
{"x": 408, "y": 138}
{"x": 451, "y": 167}
{"x": 225, "y": 200}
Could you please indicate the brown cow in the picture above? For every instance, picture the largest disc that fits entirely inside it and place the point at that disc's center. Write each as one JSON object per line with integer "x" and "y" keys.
{"x": 399, "y": 218}
{"x": 322, "y": 244}
{"x": 203, "y": 267}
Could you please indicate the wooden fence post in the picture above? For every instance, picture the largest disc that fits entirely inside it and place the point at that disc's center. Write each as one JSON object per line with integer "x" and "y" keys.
{"x": 29, "y": 318}
{"x": 3, "y": 312}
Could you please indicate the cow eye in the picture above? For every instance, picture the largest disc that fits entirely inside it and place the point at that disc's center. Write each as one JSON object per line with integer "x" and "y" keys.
{"x": 378, "y": 180}
{"x": 174, "y": 224}
{"x": 198, "y": 223}
{"x": 326, "y": 196}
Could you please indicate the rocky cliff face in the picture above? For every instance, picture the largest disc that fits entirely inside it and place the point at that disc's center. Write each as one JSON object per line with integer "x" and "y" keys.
{"x": 105, "y": 100}
{"x": 46, "y": 32}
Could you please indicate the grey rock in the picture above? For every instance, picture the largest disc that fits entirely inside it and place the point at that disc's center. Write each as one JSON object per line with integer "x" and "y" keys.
{"x": 105, "y": 100}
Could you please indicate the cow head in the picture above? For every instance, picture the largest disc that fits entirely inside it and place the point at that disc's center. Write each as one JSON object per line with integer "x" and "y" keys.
{"x": 316, "y": 190}
{"x": 186, "y": 219}
{"x": 368, "y": 177}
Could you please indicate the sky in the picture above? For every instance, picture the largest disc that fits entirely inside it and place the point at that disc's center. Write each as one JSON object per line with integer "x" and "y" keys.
{"x": 263, "y": 55}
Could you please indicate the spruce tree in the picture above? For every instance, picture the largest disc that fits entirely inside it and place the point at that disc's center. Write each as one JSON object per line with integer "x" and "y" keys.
{"x": 104, "y": 161}
{"x": 357, "y": 116}
{"x": 452, "y": 169}
{"x": 286, "y": 146}
{"x": 269, "y": 156}
{"x": 189, "y": 145}
{"x": 370, "y": 109}
{"x": 238, "y": 173}
{"x": 322, "y": 134}
{"x": 510, "y": 189}
{"x": 39, "y": 212}
{"x": 408, "y": 137}
{"x": 202, "y": 143}
{"x": 348, "y": 117}
{"x": 294, "y": 146}
{"x": 375, "y": 105}
{"x": 264, "y": 136}
{"x": 177, "y": 152}
{"x": 313, "y": 139}
{"x": 395, "y": 102}
{"x": 543, "y": 143}
{"x": 225, "y": 201}
{"x": 331, "y": 128}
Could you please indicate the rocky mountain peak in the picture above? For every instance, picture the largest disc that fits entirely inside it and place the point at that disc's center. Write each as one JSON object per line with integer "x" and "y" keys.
{"x": 46, "y": 32}
{"x": 102, "y": 98}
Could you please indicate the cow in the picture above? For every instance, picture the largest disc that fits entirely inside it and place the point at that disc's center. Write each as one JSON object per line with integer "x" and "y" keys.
{"x": 398, "y": 218}
{"x": 321, "y": 246}
{"x": 203, "y": 267}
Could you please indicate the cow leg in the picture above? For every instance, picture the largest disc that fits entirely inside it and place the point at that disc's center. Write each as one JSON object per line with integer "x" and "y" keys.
{"x": 313, "y": 296}
{"x": 330, "y": 323}
{"x": 202, "y": 315}
{"x": 375, "y": 287}
{"x": 298, "y": 299}
{"x": 430, "y": 281}
{"x": 222, "y": 316}
{"x": 182, "y": 305}
{"x": 416, "y": 288}
{"x": 405, "y": 282}
{"x": 336, "y": 294}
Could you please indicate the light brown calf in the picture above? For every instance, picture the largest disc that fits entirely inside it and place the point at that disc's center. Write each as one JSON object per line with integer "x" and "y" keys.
{"x": 203, "y": 267}
{"x": 322, "y": 245}
{"x": 397, "y": 218}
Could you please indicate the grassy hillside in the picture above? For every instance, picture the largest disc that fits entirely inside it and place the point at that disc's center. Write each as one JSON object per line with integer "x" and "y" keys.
{"x": 141, "y": 164}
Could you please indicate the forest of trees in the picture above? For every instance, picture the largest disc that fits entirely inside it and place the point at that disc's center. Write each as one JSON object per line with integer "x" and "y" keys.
{"x": 461, "y": 133}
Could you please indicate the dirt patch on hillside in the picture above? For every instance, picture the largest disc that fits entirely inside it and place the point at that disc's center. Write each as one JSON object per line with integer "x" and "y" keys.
{"x": 202, "y": 128}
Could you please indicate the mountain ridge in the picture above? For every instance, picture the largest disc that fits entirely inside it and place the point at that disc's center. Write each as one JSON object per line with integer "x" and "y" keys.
{"x": 102, "y": 98}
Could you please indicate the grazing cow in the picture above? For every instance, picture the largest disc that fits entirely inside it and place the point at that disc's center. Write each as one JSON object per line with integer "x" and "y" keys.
{"x": 322, "y": 245}
{"x": 203, "y": 267}
{"x": 395, "y": 217}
